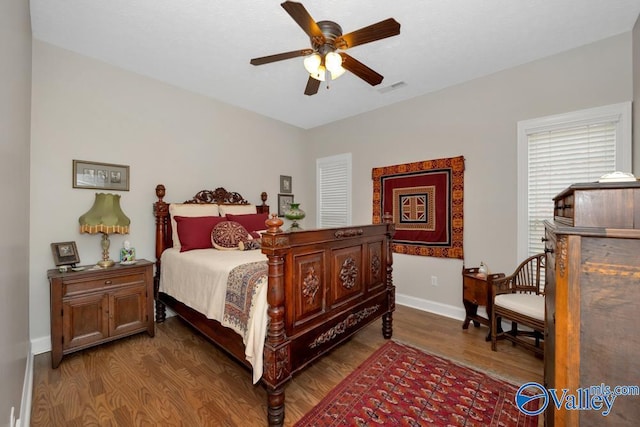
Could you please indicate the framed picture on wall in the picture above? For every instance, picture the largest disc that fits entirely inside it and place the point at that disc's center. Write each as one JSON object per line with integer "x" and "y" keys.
{"x": 285, "y": 184}
{"x": 100, "y": 176}
{"x": 284, "y": 201}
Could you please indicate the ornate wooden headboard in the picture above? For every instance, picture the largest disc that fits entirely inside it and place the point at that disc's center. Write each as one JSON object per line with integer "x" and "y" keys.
{"x": 218, "y": 196}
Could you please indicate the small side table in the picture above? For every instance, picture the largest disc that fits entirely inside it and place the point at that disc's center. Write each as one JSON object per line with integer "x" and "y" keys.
{"x": 477, "y": 291}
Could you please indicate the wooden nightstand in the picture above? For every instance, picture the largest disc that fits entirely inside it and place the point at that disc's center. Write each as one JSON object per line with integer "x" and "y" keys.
{"x": 477, "y": 291}
{"x": 91, "y": 307}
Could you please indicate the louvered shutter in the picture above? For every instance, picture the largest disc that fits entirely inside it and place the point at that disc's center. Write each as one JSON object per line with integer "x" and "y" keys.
{"x": 333, "y": 178}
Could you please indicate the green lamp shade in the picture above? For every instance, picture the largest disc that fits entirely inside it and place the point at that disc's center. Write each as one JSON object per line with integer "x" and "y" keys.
{"x": 105, "y": 216}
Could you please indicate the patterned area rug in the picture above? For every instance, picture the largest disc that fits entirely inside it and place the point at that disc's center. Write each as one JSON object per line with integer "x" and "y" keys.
{"x": 400, "y": 385}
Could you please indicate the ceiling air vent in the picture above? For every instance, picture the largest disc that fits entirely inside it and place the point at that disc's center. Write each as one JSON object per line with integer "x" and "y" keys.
{"x": 394, "y": 86}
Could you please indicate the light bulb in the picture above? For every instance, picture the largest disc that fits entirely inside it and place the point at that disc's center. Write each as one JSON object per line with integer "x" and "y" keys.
{"x": 337, "y": 73}
{"x": 312, "y": 62}
{"x": 333, "y": 61}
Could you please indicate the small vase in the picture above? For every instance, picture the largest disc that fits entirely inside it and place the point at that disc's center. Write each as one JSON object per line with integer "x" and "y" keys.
{"x": 482, "y": 270}
{"x": 294, "y": 213}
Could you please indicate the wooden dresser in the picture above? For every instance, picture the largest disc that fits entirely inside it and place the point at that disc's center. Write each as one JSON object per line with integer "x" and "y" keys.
{"x": 593, "y": 299}
{"x": 92, "y": 307}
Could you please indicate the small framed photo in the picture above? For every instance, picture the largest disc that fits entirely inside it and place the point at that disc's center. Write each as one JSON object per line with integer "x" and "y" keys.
{"x": 285, "y": 184}
{"x": 284, "y": 201}
{"x": 101, "y": 176}
{"x": 65, "y": 253}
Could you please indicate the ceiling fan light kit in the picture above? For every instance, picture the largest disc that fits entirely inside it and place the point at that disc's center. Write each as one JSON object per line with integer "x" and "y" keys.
{"x": 317, "y": 66}
{"x": 326, "y": 38}
{"x": 319, "y": 74}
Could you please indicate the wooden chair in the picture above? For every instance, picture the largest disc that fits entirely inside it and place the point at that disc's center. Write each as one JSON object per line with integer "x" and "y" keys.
{"x": 518, "y": 298}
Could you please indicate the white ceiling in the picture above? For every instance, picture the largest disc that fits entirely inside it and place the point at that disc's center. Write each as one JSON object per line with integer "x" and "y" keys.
{"x": 205, "y": 45}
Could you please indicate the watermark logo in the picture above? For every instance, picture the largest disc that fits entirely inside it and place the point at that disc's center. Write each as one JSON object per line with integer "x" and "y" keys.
{"x": 528, "y": 394}
{"x": 594, "y": 398}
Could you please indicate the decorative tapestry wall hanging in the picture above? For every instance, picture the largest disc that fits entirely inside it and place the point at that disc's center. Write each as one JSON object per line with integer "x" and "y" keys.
{"x": 426, "y": 201}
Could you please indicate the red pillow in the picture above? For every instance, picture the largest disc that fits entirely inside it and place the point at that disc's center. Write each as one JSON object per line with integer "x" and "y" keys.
{"x": 195, "y": 232}
{"x": 252, "y": 222}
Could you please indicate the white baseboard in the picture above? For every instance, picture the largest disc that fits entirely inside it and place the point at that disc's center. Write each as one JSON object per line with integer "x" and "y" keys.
{"x": 41, "y": 345}
{"x": 446, "y": 310}
{"x": 27, "y": 392}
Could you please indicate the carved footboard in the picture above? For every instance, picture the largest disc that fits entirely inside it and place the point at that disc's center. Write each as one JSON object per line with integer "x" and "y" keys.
{"x": 323, "y": 286}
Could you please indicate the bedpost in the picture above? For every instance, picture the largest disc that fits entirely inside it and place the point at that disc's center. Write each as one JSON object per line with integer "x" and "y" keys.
{"x": 161, "y": 212}
{"x": 277, "y": 362}
{"x": 387, "y": 318}
{"x": 263, "y": 208}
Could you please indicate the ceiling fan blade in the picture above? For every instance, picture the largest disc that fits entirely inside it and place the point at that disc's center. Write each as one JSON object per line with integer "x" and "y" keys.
{"x": 360, "y": 70}
{"x": 312, "y": 86}
{"x": 302, "y": 17}
{"x": 381, "y": 30}
{"x": 281, "y": 56}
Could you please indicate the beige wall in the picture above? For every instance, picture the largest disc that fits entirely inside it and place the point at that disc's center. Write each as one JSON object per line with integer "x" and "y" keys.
{"x": 15, "y": 104}
{"x": 85, "y": 109}
{"x": 478, "y": 120}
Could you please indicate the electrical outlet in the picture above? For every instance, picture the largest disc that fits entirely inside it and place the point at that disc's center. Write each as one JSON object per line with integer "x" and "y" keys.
{"x": 434, "y": 280}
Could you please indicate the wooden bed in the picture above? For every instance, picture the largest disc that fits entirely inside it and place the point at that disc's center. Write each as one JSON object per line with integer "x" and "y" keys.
{"x": 324, "y": 285}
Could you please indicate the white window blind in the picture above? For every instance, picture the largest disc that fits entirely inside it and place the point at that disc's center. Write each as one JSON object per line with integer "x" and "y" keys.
{"x": 561, "y": 151}
{"x": 333, "y": 178}
{"x": 560, "y": 158}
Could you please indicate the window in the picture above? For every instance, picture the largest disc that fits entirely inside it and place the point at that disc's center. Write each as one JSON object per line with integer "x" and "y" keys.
{"x": 555, "y": 152}
{"x": 333, "y": 180}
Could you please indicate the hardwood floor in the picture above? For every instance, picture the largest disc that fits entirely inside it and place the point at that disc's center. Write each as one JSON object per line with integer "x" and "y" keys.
{"x": 178, "y": 378}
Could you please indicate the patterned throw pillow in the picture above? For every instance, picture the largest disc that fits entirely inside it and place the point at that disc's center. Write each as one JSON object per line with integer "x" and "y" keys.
{"x": 227, "y": 235}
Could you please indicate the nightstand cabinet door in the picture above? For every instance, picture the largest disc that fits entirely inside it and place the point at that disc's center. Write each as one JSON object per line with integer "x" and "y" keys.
{"x": 84, "y": 320}
{"x": 127, "y": 310}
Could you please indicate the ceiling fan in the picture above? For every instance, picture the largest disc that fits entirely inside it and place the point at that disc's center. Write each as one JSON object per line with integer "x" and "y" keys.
{"x": 326, "y": 39}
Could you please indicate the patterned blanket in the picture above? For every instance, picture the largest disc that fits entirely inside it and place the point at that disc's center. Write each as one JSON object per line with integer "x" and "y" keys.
{"x": 244, "y": 282}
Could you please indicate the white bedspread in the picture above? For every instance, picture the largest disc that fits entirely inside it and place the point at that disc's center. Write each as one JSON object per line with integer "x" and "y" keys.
{"x": 198, "y": 278}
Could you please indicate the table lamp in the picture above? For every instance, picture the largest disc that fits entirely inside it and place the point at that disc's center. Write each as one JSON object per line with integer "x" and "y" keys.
{"x": 106, "y": 217}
